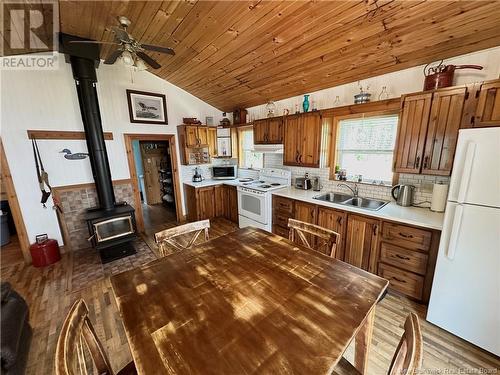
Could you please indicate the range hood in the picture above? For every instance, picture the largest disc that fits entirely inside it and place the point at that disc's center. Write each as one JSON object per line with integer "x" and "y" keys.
{"x": 268, "y": 149}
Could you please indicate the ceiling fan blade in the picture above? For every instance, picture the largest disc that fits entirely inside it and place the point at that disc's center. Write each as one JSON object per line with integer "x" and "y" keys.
{"x": 113, "y": 56}
{"x": 92, "y": 41}
{"x": 148, "y": 60}
{"x": 150, "y": 47}
{"x": 120, "y": 34}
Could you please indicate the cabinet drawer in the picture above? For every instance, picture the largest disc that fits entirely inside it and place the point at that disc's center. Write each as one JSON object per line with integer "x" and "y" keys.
{"x": 281, "y": 219}
{"x": 283, "y": 204}
{"x": 409, "y": 237}
{"x": 280, "y": 231}
{"x": 405, "y": 282}
{"x": 403, "y": 258}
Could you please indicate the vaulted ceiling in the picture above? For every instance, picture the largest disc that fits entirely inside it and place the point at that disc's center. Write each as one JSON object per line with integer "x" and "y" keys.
{"x": 243, "y": 53}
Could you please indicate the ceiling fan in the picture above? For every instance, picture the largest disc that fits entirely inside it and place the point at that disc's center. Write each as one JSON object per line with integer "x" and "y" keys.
{"x": 131, "y": 51}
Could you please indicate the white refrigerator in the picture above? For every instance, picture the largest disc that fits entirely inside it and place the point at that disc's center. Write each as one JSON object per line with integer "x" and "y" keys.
{"x": 465, "y": 297}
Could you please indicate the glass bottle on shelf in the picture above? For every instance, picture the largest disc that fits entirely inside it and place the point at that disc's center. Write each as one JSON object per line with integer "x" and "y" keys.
{"x": 383, "y": 94}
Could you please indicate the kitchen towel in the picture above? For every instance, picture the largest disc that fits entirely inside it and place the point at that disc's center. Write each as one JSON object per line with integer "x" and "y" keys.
{"x": 439, "y": 195}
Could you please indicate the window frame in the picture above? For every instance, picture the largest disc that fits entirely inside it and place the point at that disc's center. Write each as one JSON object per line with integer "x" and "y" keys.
{"x": 240, "y": 129}
{"x": 361, "y": 114}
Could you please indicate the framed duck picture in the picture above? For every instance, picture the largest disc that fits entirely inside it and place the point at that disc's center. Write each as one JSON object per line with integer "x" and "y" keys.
{"x": 147, "y": 107}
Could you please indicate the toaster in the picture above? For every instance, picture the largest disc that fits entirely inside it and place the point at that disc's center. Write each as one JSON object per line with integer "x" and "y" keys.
{"x": 303, "y": 183}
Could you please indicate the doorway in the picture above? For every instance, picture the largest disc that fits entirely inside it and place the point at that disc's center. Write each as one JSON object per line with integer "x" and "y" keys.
{"x": 154, "y": 175}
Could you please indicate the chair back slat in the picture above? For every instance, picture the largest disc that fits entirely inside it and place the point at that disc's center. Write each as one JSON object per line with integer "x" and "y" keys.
{"x": 78, "y": 348}
{"x": 171, "y": 236}
{"x": 408, "y": 356}
{"x": 314, "y": 237}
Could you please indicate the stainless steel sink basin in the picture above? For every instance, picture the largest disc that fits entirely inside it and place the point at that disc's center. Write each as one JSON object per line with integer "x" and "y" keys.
{"x": 333, "y": 197}
{"x": 367, "y": 203}
{"x": 348, "y": 200}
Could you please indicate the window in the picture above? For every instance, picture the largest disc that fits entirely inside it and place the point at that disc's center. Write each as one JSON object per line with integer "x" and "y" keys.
{"x": 247, "y": 157}
{"x": 365, "y": 147}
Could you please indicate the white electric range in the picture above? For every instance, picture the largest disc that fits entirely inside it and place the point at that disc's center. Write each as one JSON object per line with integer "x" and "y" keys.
{"x": 254, "y": 197}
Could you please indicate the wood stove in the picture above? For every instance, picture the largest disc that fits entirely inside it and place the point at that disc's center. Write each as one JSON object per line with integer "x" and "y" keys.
{"x": 111, "y": 225}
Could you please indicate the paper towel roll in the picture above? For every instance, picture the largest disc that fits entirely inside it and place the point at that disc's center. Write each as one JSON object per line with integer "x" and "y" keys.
{"x": 439, "y": 195}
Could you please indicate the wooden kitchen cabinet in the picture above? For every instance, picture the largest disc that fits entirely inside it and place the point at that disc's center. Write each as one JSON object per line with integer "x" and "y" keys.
{"x": 283, "y": 209}
{"x": 231, "y": 203}
{"x": 442, "y": 133}
{"x": 307, "y": 213}
{"x": 268, "y": 131}
{"x": 361, "y": 246}
{"x": 211, "y": 201}
{"x": 412, "y": 130}
{"x": 193, "y": 144}
{"x": 191, "y": 134}
{"x": 302, "y": 140}
{"x": 335, "y": 220}
{"x": 488, "y": 105}
{"x": 212, "y": 141}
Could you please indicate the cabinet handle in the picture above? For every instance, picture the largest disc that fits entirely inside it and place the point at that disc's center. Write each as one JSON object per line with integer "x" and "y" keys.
{"x": 297, "y": 156}
{"x": 426, "y": 160}
{"x": 300, "y": 159}
{"x": 402, "y": 257}
{"x": 417, "y": 162}
{"x": 398, "y": 279}
{"x": 405, "y": 235}
{"x": 339, "y": 220}
{"x": 375, "y": 227}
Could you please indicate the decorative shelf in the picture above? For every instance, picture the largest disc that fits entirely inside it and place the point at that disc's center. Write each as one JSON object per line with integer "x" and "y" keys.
{"x": 61, "y": 134}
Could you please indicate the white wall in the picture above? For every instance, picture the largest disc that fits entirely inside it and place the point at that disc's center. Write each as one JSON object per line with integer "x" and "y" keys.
{"x": 397, "y": 83}
{"x": 47, "y": 100}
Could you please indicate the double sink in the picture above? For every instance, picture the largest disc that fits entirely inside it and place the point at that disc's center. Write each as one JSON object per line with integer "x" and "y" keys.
{"x": 348, "y": 200}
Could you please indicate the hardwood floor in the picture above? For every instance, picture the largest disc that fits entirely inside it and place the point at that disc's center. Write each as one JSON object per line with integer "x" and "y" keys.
{"x": 11, "y": 253}
{"x": 49, "y": 294}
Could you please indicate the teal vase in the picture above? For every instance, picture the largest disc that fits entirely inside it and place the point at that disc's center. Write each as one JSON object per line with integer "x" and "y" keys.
{"x": 305, "y": 103}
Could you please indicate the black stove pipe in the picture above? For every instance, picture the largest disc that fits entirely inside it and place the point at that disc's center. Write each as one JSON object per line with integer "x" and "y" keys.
{"x": 85, "y": 76}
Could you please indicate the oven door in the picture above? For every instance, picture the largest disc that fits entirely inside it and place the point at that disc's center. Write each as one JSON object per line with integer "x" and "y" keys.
{"x": 253, "y": 204}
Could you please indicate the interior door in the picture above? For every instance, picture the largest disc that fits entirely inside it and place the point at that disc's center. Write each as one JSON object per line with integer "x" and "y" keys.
{"x": 292, "y": 140}
{"x": 465, "y": 297}
{"x": 488, "y": 105}
{"x": 275, "y": 130}
{"x": 412, "y": 130}
{"x": 442, "y": 132}
{"x": 334, "y": 220}
{"x": 311, "y": 139}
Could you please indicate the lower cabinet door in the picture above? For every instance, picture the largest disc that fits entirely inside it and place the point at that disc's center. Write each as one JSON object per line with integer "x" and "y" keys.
{"x": 205, "y": 202}
{"x": 361, "y": 247}
{"x": 220, "y": 200}
{"x": 231, "y": 207}
{"x": 334, "y": 220}
{"x": 307, "y": 213}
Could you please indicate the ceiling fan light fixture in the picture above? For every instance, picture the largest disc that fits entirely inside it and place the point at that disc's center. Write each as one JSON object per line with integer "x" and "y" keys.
{"x": 127, "y": 58}
{"x": 140, "y": 65}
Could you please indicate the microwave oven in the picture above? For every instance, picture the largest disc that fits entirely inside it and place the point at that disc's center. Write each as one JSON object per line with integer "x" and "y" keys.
{"x": 226, "y": 172}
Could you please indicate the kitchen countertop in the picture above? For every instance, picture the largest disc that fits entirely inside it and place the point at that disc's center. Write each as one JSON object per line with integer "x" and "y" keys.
{"x": 421, "y": 217}
{"x": 211, "y": 182}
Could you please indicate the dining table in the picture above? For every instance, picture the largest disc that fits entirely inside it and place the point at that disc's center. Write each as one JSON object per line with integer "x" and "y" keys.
{"x": 245, "y": 303}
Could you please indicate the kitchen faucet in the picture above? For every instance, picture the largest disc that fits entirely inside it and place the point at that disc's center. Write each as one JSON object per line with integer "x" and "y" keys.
{"x": 354, "y": 191}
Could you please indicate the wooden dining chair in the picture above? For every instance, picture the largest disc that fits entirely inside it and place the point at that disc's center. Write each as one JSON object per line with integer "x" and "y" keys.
{"x": 78, "y": 348}
{"x": 171, "y": 236}
{"x": 408, "y": 356}
{"x": 324, "y": 241}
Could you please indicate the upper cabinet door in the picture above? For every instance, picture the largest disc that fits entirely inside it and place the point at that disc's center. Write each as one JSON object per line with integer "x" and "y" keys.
{"x": 311, "y": 140}
{"x": 442, "y": 132}
{"x": 212, "y": 141}
{"x": 488, "y": 105}
{"x": 292, "y": 140}
{"x": 192, "y": 136}
{"x": 412, "y": 129}
{"x": 203, "y": 135}
{"x": 275, "y": 130}
{"x": 260, "y": 130}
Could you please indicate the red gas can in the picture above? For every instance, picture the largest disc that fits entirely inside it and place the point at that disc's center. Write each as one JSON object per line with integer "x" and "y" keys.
{"x": 45, "y": 253}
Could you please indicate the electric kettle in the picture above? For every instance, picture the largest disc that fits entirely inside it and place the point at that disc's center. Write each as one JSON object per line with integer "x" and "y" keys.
{"x": 403, "y": 194}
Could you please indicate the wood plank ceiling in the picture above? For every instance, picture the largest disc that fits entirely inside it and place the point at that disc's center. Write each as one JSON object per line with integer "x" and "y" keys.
{"x": 243, "y": 53}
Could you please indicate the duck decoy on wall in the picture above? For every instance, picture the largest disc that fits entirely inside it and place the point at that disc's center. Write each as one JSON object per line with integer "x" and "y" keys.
{"x": 76, "y": 156}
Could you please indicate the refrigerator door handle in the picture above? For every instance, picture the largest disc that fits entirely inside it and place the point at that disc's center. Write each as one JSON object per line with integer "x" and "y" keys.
{"x": 466, "y": 173}
{"x": 455, "y": 232}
